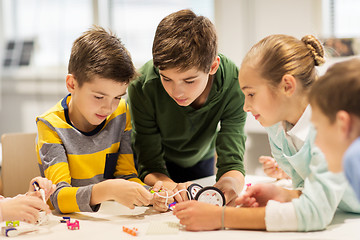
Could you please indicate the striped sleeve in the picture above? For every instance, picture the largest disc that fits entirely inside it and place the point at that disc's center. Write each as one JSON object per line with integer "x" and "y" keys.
{"x": 55, "y": 167}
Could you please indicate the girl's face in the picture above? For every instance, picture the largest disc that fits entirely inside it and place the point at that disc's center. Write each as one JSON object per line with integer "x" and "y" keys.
{"x": 262, "y": 100}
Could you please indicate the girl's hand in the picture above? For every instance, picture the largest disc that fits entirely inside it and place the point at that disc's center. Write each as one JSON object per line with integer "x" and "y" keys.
{"x": 44, "y": 184}
{"x": 198, "y": 216}
{"x": 23, "y": 208}
{"x": 271, "y": 168}
{"x": 258, "y": 195}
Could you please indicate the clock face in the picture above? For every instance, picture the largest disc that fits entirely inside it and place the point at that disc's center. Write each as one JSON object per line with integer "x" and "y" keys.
{"x": 211, "y": 195}
{"x": 193, "y": 189}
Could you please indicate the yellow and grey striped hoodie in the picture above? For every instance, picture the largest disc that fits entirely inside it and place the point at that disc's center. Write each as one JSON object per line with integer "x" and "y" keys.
{"x": 76, "y": 160}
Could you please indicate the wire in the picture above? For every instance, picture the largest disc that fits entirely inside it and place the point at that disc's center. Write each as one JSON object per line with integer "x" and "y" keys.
{"x": 167, "y": 195}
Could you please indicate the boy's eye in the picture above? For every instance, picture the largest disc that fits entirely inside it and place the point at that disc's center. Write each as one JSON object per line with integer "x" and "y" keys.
{"x": 190, "y": 82}
{"x": 97, "y": 97}
{"x": 166, "y": 79}
{"x": 118, "y": 98}
{"x": 251, "y": 94}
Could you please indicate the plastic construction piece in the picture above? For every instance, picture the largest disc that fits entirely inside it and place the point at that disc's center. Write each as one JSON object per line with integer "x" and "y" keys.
{"x": 73, "y": 225}
{"x": 12, "y": 232}
{"x": 12, "y": 223}
{"x": 64, "y": 219}
{"x": 172, "y": 206}
{"x": 193, "y": 189}
{"x": 209, "y": 194}
{"x": 132, "y": 231}
{"x": 152, "y": 191}
{"x": 6, "y": 230}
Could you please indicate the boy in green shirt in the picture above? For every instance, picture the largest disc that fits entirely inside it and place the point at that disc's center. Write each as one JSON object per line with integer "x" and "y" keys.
{"x": 177, "y": 104}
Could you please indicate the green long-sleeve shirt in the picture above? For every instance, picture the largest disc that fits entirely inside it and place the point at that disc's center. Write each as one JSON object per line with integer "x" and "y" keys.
{"x": 164, "y": 131}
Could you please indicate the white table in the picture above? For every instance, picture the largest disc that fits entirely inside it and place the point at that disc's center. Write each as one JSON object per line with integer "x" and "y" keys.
{"x": 107, "y": 223}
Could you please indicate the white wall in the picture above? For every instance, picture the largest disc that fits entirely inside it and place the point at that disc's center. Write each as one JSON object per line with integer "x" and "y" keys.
{"x": 242, "y": 23}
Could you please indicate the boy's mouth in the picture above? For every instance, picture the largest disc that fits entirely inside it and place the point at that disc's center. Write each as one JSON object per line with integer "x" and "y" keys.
{"x": 101, "y": 116}
{"x": 178, "y": 100}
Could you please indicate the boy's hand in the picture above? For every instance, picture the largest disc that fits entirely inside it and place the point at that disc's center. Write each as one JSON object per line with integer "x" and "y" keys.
{"x": 159, "y": 202}
{"x": 23, "y": 208}
{"x": 44, "y": 184}
{"x": 183, "y": 195}
{"x": 259, "y": 194}
{"x": 198, "y": 216}
{"x": 129, "y": 194}
{"x": 271, "y": 168}
{"x": 227, "y": 186}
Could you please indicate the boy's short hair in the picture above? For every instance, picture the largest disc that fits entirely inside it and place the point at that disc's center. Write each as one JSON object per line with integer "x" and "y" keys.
{"x": 338, "y": 89}
{"x": 184, "y": 40}
{"x": 100, "y": 53}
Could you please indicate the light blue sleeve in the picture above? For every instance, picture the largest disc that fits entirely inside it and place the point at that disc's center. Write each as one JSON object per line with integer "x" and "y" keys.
{"x": 352, "y": 166}
{"x": 321, "y": 195}
{"x": 322, "y": 190}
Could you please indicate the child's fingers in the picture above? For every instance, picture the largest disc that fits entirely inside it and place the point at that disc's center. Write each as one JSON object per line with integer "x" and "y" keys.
{"x": 181, "y": 215}
{"x": 160, "y": 198}
{"x": 239, "y": 200}
{"x": 179, "y": 197}
{"x": 182, "y": 187}
{"x": 182, "y": 206}
{"x": 157, "y": 186}
{"x": 264, "y": 159}
{"x": 160, "y": 206}
{"x": 29, "y": 217}
{"x": 145, "y": 194}
{"x": 252, "y": 202}
{"x": 141, "y": 201}
{"x": 270, "y": 171}
{"x": 242, "y": 198}
{"x": 269, "y": 164}
{"x": 247, "y": 201}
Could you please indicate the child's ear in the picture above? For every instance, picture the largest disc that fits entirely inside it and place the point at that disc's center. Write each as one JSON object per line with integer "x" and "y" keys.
{"x": 70, "y": 83}
{"x": 288, "y": 84}
{"x": 215, "y": 65}
{"x": 343, "y": 122}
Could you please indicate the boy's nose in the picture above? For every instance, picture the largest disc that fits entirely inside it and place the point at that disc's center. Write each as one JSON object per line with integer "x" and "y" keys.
{"x": 178, "y": 92}
{"x": 246, "y": 107}
{"x": 107, "y": 108}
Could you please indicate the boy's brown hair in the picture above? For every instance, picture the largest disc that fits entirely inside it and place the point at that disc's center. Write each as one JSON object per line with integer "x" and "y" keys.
{"x": 184, "y": 40}
{"x": 100, "y": 53}
{"x": 277, "y": 55}
{"x": 338, "y": 89}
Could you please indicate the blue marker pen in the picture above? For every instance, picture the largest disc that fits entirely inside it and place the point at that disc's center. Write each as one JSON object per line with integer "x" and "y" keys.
{"x": 37, "y": 188}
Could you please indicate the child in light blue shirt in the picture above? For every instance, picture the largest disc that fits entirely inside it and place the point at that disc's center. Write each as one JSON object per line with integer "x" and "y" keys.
{"x": 335, "y": 99}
